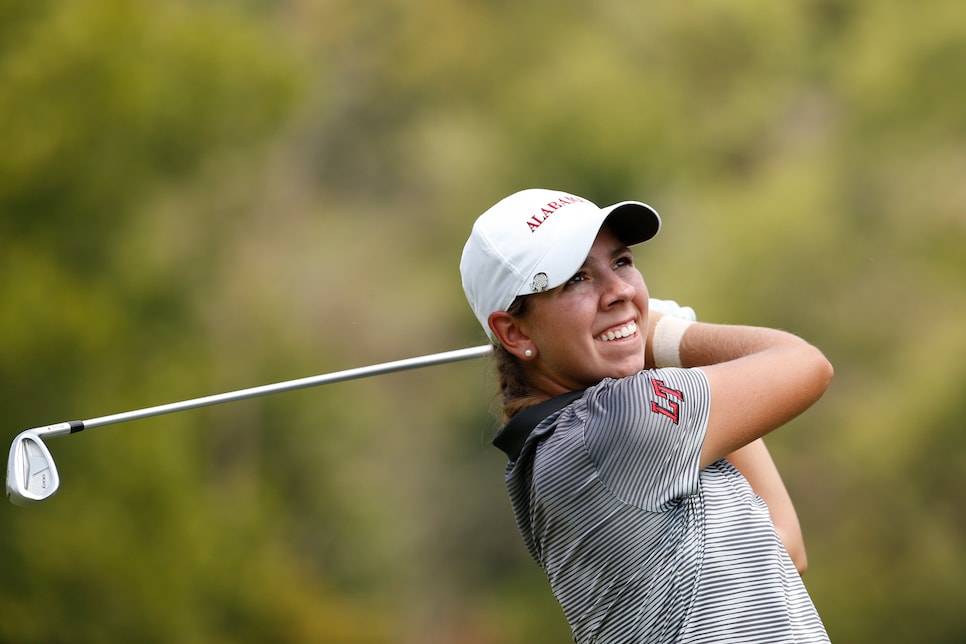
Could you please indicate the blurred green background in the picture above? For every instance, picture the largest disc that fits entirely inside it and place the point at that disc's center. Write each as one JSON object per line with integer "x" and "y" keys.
{"x": 202, "y": 196}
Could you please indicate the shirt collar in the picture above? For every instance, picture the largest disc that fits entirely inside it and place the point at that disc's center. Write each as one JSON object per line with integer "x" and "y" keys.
{"x": 511, "y": 438}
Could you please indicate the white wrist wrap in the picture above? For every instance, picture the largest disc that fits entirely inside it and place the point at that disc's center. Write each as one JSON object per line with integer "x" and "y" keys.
{"x": 666, "y": 343}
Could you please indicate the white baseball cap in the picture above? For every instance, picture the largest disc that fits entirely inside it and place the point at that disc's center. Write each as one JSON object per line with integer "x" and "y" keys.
{"x": 535, "y": 240}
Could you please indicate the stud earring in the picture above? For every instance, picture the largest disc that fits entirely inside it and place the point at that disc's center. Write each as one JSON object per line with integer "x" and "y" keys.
{"x": 528, "y": 353}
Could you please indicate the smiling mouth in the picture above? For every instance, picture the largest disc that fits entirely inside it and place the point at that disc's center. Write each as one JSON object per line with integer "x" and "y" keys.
{"x": 618, "y": 333}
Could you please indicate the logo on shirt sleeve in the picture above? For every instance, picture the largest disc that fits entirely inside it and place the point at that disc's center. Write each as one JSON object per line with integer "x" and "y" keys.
{"x": 669, "y": 400}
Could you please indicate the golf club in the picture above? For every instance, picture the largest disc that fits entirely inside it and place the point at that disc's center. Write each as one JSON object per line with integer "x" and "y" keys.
{"x": 31, "y": 472}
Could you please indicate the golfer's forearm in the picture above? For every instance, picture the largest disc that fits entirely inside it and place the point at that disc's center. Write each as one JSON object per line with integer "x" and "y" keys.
{"x": 705, "y": 344}
{"x": 709, "y": 344}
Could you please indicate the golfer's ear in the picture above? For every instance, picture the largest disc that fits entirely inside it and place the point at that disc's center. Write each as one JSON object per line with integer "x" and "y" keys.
{"x": 507, "y": 330}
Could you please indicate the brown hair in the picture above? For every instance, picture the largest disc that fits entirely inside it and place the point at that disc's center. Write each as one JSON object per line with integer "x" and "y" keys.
{"x": 514, "y": 385}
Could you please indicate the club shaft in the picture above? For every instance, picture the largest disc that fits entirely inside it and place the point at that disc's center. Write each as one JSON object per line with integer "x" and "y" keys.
{"x": 288, "y": 385}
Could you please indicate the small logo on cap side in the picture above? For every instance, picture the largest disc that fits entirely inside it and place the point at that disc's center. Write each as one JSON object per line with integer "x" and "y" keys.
{"x": 540, "y": 283}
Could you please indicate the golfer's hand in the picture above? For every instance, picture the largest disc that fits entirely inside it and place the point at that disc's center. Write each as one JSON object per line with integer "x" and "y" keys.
{"x": 672, "y": 308}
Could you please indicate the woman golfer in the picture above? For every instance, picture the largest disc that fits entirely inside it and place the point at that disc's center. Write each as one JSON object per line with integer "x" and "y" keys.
{"x": 636, "y": 471}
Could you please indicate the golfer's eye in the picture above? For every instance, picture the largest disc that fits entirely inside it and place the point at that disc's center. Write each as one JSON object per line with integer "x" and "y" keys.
{"x": 578, "y": 277}
{"x": 624, "y": 260}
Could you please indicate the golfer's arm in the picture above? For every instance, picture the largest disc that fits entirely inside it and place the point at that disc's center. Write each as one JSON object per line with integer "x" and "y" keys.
{"x": 755, "y": 463}
{"x": 759, "y": 378}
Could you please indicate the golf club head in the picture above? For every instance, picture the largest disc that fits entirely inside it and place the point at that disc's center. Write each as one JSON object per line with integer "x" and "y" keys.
{"x": 31, "y": 472}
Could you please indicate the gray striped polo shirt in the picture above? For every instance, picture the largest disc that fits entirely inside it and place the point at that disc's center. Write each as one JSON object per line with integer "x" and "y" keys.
{"x": 640, "y": 544}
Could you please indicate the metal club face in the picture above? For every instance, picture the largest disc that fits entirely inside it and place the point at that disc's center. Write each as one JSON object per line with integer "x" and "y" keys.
{"x": 31, "y": 473}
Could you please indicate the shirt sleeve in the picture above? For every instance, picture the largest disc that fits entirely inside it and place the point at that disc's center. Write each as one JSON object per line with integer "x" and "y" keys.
{"x": 645, "y": 432}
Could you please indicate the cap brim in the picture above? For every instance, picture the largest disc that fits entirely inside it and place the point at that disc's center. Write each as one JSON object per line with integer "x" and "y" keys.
{"x": 632, "y": 221}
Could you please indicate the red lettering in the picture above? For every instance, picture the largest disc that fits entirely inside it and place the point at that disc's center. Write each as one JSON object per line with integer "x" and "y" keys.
{"x": 671, "y": 408}
{"x": 547, "y": 210}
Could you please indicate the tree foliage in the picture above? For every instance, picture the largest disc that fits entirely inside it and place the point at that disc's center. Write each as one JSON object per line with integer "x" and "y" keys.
{"x": 198, "y": 197}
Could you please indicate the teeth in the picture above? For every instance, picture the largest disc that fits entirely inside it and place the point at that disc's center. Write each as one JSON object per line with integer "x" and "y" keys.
{"x": 628, "y": 329}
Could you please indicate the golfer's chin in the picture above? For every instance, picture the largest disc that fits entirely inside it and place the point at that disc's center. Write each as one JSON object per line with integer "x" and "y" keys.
{"x": 627, "y": 364}
{"x": 629, "y": 369}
